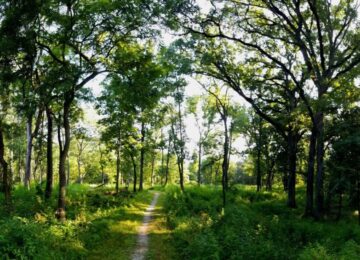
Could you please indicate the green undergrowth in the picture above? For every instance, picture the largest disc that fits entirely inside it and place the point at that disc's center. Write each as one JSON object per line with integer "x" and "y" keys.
{"x": 253, "y": 226}
{"x": 97, "y": 220}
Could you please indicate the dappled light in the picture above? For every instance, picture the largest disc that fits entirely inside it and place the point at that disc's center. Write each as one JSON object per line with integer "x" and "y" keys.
{"x": 179, "y": 129}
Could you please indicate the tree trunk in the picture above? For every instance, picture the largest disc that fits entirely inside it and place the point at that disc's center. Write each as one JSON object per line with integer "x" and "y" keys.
{"x": 134, "y": 171}
{"x": 319, "y": 195}
{"x": 258, "y": 168}
{"x": 167, "y": 160}
{"x": 162, "y": 165}
{"x": 181, "y": 173}
{"x": 358, "y": 196}
{"x": 292, "y": 151}
{"x": 68, "y": 171}
{"x": 152, "y": 168}
{"x": 79, "y": 169}
{"x": 182, "y": 155}
{"x": 225, "y": 164}
{"x": 49, "y": 155}
{"x": 6, "y": 175}
{"x": 28, "y": 152}
{"x": 117, "y": 169}
{"x": 309, "y": 208}
{"x": 167, "y": 165}
{"x": 258, "y": 157}
{"x": 199, "y": 164}
{"x": 270, "y": 175}
{"x": 338, "y": 216}
{"x": 64, "y": 150}
{"x": 142, "y": 156}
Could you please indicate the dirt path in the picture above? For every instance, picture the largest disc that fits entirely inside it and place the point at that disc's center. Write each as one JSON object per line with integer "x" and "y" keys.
{"x": 143, "y": 239}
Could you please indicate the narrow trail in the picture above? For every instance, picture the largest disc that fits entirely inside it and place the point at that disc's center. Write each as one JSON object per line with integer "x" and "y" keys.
{"x": 142, "y": 238}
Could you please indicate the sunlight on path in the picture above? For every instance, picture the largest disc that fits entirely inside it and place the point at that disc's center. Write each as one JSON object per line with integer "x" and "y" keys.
{"x": 142, "y": 239}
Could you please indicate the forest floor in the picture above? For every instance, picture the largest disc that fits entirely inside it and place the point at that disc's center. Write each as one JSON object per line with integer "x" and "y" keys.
{"x": 179, "y": 225}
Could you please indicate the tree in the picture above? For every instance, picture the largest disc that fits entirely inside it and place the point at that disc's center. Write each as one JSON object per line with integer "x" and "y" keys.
{"x": 178, "y": 131}
{"x": 203, "y": 124}
{"x": 82, "y": 139}
{"x": 222, "y": 106}
{"x": 328, "y": 54}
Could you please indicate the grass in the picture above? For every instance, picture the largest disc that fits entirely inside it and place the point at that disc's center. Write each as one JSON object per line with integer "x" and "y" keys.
{"x": 186, "y": 225}
{"x": 253, "y": 226}
{"x": 120, "y": 231}
{"x": 160, "y": 243}
{"x": 100, "y": 225}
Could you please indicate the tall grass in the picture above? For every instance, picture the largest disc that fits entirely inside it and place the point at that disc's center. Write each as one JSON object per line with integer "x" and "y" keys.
{"x": 253, "y": 226}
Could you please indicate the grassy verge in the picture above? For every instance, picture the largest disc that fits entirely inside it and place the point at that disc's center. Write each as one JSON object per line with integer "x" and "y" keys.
{"x": 160, "y": 243}
{"x": 116, "y": 233}
{"x": 100, "y": 225}
{"x": 253, "y": 226}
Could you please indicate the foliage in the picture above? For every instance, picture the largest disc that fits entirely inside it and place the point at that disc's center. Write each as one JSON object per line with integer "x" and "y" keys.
{"x": 253, "y": 226}
{"x": 32, "y": 232}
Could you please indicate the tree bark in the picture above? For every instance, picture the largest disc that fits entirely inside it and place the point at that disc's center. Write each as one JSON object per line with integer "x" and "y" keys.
{"x": 167, "y": 163}
{"x": 225, "y": 163}
{"x": 134, "y": 171}
{"x": 199, "y": 164}
{"x": 162, "y": 164}
{"x": 258, "y": 166}
{"x": 309, "y": 208}
{"x": 117, "y": 169}
{"x": 79, "y": 169}
{"x": 152, "y": 168}
{"x": 319, "y": 194}
{"x": 64, "y": 150}
{"x": 358, "y": 196}
{"x": 49, "y": 155}
{"x": 270, "y": 175}
{"x": 6, "y": 175}
{"x": 68, "y": 171}
{"x": 292, "y": 153}
{"x": 28, "y": 152}
{"x": 182, "y": 155}
{"x": 142, "y": 156}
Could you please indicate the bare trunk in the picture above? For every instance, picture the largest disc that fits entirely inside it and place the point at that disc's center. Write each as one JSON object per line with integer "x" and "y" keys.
{"x": 358, "y": 196}
{"x": 309, "y": 208}
{"x": 142, "y": 156}
{"x": 319, "y": 195}
{"x": 134, "y": 171}
{"x": 153, "y": 168}
{"x": 117, "y": 169}
{"x": 6, "y": 175}
{"x": 28, "y": 152}
{"x": 292, "y": 151}
{"x": 258, "y": 169}
{"x": 199, "y": 164}
{"x": 270, "y": 176}
{"x": 68, "y": 171}
{"x": 64, "y": 150}
{"x": 79, "y": 169}
{"x": 182, "y": 155}
{"x": 49, "y": 155}
{"x": 225, "y": 164}
{"x": 167, "y": 166}
{"x": 340, "y": 206}
{"x": 162, "y": 165}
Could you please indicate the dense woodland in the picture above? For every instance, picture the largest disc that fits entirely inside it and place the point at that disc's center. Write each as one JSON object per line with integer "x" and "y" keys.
{"x": 96, "y": 116}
